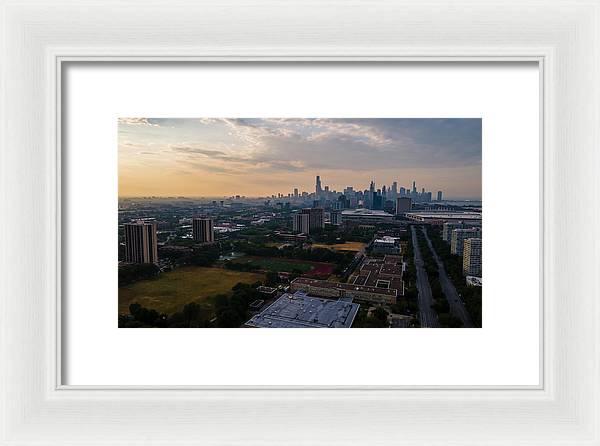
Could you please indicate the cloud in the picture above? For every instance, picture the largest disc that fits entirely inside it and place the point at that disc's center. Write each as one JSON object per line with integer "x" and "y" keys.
{"x": 271, "y": 148}
{"x": 234, "y": 163}
{"x": 190, "y": 149}
{"x": 138, "y": 121}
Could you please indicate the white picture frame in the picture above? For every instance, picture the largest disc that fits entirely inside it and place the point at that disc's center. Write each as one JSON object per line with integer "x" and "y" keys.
{"x": 37, "y": 38}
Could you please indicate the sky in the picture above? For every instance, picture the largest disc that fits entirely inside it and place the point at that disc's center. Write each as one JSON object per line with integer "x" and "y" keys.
{"x": 210, "y": 157}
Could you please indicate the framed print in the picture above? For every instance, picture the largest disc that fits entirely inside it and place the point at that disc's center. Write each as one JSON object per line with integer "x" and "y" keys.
{"x": 188, "y": 189}
{"x": 219, "y": 271}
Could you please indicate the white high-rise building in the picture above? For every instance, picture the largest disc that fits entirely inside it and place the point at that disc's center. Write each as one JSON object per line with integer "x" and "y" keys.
{"x": 472, "y": 257}
{"x": 301, "y": 223}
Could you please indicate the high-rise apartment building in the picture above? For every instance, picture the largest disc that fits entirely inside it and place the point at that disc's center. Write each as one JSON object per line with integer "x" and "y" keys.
{"x": 316, "y": 217}
{"x": 141, "y": 243}
{"x": 448, "y": 227}
{"x": 472, "y": 257}
{"x": 458, "y": 239}
{"x": 403, "y": 204}
{"x": 335, "y": 217}
{"x": 202, "y": 230}
{"x": 301, "y": 223}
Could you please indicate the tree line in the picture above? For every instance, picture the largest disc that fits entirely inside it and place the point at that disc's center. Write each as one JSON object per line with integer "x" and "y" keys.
{"x": 471, "y": 295}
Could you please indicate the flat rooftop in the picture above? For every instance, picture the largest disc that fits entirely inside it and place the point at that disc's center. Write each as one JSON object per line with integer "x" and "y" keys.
{"x": 376, "y": 272}
{"x": 445, "y": 215}
{"x": 344, "y": 286}
{"x": 301, "y": 311}
{"x": 365, "y": 213}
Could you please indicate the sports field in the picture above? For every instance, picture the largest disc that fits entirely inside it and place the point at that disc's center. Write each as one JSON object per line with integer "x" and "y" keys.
{"x": 173, "y": 289}
{"x": 348, "y": 246}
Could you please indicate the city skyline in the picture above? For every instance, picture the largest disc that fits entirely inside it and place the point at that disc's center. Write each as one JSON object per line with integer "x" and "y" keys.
{"x": 264, "y": 157}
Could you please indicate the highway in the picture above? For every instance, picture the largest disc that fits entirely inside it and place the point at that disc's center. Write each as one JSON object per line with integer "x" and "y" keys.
{"x": 427, "y": 315}
{"x": 456, "y": 306}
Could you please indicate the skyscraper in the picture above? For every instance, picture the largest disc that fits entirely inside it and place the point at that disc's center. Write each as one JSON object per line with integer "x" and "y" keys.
{"x": 394, "y": 194}
{"x": 141, "y": 243}
{"x": 301, "y": 223}
{"x": 472, "y": 257}
{"x": 318, "y": 189}
{"x": 414, "y": 188}
{"x": 439, "y": 195}
{"x": 202, "y": 229}
{"x": 377, "y": 202}
{"x": 296, "y": 192}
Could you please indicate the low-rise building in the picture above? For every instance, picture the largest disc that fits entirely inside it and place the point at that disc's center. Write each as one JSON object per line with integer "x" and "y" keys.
{"x": 376, "y": 281}
{"x": 299, "y": 310}
{"x": 441, "y": 217}
{"x": 386, "y": 245}
{"x": 335, "y": 290}
{"x": 357, "y": 217}
{"x": 473, "y": 281}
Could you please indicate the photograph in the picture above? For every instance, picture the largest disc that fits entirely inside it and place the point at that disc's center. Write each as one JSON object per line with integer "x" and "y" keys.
{"x": 299, "y": 222}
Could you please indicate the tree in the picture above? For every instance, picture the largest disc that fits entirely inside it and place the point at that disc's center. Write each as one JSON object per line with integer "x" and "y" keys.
{"x": 133, "y": 272}
{"x": 147, "y": 317}
{"x": 228, "y": 318}
{"x": 380, "y": 313}
{"x": 191, "y": 312}
{"x": 272, "y": 278}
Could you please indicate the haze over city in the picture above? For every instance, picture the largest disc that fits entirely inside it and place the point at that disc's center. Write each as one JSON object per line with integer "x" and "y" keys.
{"x": 264, "y": 157}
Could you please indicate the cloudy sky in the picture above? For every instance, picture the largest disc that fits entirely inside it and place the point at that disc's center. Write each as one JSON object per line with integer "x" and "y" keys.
{"x": 260, "y": 157}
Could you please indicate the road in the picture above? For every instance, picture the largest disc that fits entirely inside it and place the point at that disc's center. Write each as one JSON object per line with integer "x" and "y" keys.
{"x": 427, "y": 315}
{"x": 456, "y": 306}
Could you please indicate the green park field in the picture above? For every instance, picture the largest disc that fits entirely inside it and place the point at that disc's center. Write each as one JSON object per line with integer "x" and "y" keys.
{"x": 173, "y": 289}
{"x": 277, "y": 264}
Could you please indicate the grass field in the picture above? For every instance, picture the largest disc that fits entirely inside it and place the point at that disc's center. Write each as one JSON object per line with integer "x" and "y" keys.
{"x": 172, "y": 290}
{"x": 288, "y": 265}
{"x": 348, "y": 246}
